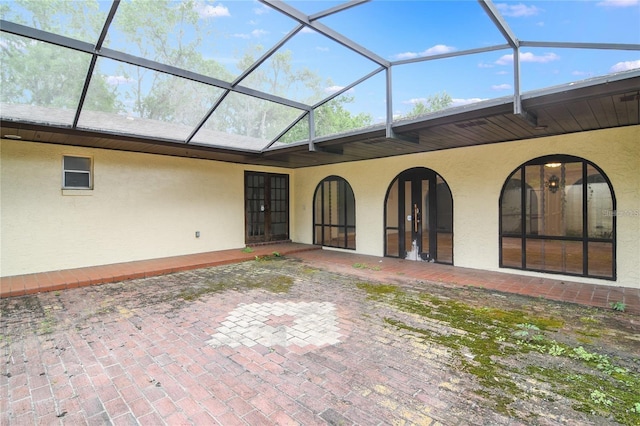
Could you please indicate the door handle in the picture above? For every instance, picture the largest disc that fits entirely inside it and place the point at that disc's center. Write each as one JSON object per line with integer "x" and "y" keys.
{"x": 416, "y": 218}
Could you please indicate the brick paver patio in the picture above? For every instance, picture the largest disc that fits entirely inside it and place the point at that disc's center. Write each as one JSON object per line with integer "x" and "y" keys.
{"x": 181, "y": 348}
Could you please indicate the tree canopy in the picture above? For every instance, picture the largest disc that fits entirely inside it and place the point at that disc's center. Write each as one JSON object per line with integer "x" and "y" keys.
{"x": 36, "y": 73}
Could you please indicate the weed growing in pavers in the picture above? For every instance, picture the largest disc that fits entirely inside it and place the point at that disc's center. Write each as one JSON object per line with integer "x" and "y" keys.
{"x": 618, "y": 306}
{"x": 247, "y": 250}
{"x": 272, "y": 283}
{"x": 273, "y": 256}
{"x": 493, "y": 344}
{"x": 366, "y": 266}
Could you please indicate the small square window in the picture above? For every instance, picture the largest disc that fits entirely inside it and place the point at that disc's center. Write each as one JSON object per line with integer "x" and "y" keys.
{"x": 76, "y": 173}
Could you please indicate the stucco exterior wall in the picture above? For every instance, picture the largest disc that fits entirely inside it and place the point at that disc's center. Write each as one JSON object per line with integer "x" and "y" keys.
{"x": 475, "y": 176}
{"x": 149, "y": 206}
{"x": 142, "y": 207}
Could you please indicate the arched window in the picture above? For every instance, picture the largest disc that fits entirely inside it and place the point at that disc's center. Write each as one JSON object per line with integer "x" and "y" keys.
{"x": 557, "y": 215}
{"x": 334, "y": 214}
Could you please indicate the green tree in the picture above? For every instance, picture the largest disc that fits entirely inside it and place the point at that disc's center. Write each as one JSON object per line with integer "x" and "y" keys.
{"x": 147, "y": 25}
{"x": 433, "y": 103}
{"x": 38, "y": 73}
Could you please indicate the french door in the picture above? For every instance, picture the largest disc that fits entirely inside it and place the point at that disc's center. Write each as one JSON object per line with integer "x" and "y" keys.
{"x": 419, "y": 217}
{"x": 266, "y": 207}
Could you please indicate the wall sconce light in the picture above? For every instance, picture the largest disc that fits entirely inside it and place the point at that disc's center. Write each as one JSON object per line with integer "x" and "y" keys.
{"x": 553, "y": 184}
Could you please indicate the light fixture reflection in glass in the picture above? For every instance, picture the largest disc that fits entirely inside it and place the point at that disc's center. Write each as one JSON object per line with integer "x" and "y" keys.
{"x": 553, "y": 184}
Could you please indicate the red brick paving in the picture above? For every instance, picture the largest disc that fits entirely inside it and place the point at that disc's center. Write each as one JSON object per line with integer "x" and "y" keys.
{"x": 376, "y": 268}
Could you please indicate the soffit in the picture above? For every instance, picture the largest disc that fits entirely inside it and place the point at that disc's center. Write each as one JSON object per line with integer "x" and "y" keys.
{"x": 303, "y": 83}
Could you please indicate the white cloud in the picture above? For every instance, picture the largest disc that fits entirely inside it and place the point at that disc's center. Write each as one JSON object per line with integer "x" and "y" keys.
{"x": 261, "y": 10}
{"x": 438, "y": 49}
{"x": 618, "y": 3}
{"x": 625, "y": 66}
{"x": 459, "y": 102}
{"x": 517, "y": 10}
{"x": 259, "y": 33}
{"x": 307, "y": 30}
{"x": 211, "y": 11}
{"x": 414, "y": 101}
{"x": 334, "y": 89}
{"x": 579, "y": 73}
{"x": 501, "y": 87}
{"x": 485, "y": 65}
{"x": 406, "y": 55}
{"x": 528, "y": 57}
{"x": 116, "y": 80}
{"x": 322, "y": 49}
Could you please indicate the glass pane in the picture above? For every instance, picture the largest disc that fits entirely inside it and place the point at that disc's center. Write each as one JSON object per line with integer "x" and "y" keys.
{"x": 606, "y": 21}
{"x": 408, "y": 209}
{"x": 128, "y": 99}
{"x": 511, "y": 207}
{"x": 317, "y": 205}
{"x": 534, "y": 198}
{"x": 512, "y": 253}
{"x": 305, "y": 70}
{"x": 75, "y": 19}
{"x": 297, "y": 134}
{"x": 318, "y": 235}
{"x": 573, "y": 202}
{"x": 77, "y": 163}
{"x": 392, "y": 243}
{"x": 545, "y": 67}
{"x": 409, "y": 29}
{"x": 392, "y": 206}
{"x": 245, "y": 122}
{"x": 218, "y": 40}
{"x": 424, "y": 218}
{"x": 76, "y": 180}
{"x": 350, "y": 205}
{"x": 599, "y": 206}
{"x": 357, "y": 108}
{"x": 445, "y": 247}
{"x": 601, "y": 259}
{"x": 555, "y": 256}
{"x": 554, "y": 201}
{"x": 444, "y": 206}
{"x": 351, "y": 238}
{"x": 452, "y": 82}
{"x": 40, "y": 82}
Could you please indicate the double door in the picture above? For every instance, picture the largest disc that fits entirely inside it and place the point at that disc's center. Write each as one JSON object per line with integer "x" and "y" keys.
{"x": 266, "y": 207}
{"x": 419, "y": 217}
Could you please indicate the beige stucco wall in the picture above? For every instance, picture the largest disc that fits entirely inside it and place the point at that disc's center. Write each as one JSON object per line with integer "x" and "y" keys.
{"x": 149, "y": 206}
{"x": 475, "y": 176}
{"x": 142, "y": 207}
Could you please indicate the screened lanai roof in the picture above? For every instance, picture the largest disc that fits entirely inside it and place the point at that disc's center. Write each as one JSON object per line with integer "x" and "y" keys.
{"x": 310, "y": 82}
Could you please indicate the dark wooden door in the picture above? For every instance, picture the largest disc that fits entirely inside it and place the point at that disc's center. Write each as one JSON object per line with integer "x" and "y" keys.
{"x": 266, "y": 207}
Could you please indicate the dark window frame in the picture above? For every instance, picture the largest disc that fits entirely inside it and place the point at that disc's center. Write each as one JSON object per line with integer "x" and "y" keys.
{"x": 585, "y": 238}
{"x": 346, "y": 225}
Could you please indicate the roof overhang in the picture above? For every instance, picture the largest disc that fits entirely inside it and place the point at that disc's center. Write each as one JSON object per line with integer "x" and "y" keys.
{"x": 599, "y": 103}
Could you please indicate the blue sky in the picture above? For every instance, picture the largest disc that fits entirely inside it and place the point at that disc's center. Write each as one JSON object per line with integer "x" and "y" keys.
{"x": 408, "y": 29}
{"x": 398, "y": 30}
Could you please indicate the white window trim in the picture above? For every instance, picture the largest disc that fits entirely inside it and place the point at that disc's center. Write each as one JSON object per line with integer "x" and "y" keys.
{"x": 89, "y": 172}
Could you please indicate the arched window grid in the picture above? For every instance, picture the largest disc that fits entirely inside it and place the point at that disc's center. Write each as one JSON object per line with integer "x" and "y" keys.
{"x": 334, "y": 214}
{"x": 585, "y": 244}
